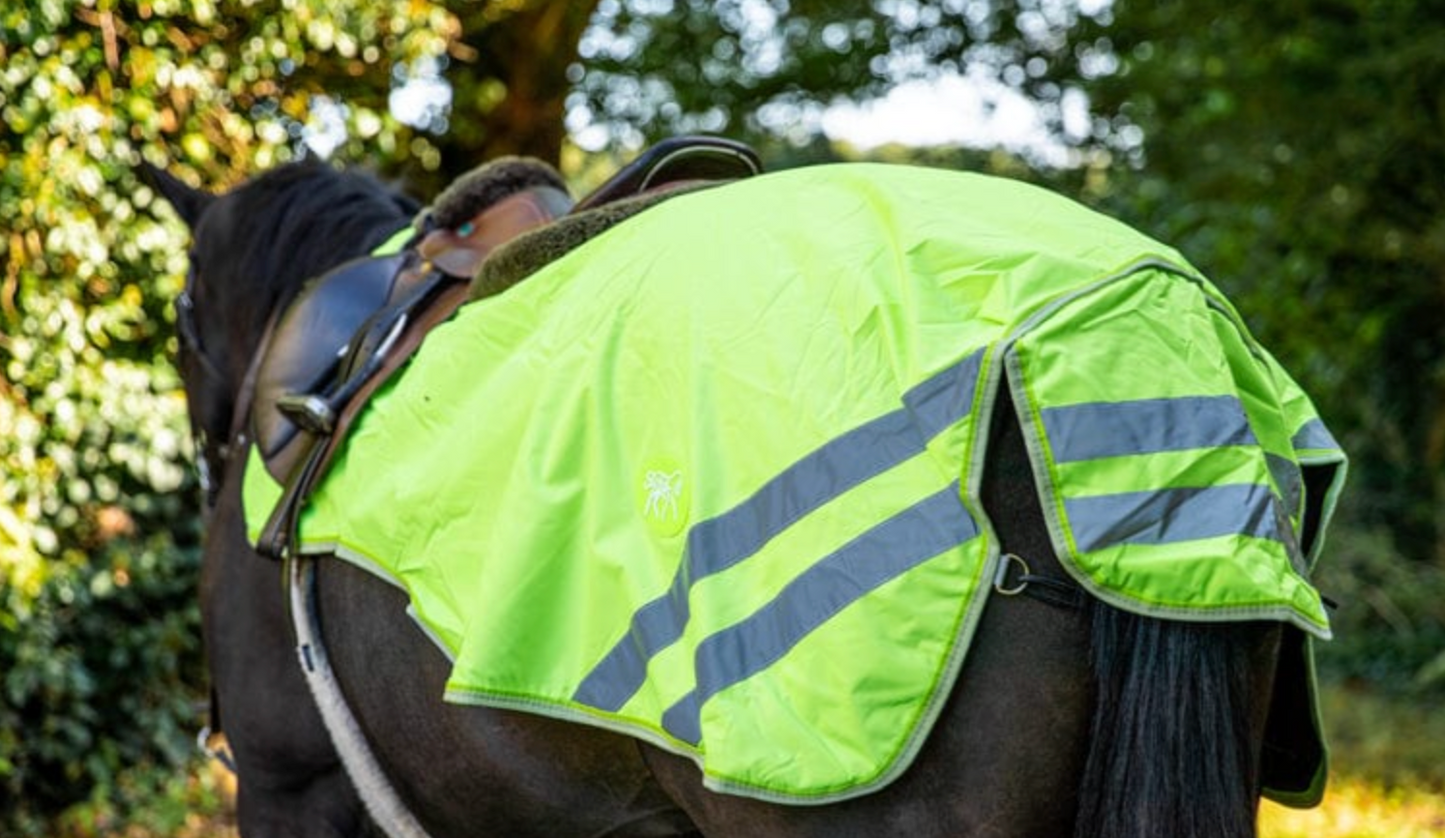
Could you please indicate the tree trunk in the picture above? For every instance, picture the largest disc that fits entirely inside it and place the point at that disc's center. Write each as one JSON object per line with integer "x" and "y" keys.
{"x": 509, "y": 82}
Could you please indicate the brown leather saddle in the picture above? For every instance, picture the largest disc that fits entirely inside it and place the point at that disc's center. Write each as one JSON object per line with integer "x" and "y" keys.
{"x": 350, "y": 329}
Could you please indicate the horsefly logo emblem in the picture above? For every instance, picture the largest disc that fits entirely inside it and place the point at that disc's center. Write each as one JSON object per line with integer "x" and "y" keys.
{"x": 663, "y": 490}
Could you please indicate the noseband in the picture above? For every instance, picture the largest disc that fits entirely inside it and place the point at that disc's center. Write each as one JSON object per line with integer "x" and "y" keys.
{"x": 212, "y": 455}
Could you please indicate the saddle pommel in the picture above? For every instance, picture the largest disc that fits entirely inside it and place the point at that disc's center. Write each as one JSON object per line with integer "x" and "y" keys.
{"x": 460, "y": 252}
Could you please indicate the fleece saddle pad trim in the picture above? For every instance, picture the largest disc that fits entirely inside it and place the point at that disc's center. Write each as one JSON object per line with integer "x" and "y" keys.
{"x": 713, "y": 538}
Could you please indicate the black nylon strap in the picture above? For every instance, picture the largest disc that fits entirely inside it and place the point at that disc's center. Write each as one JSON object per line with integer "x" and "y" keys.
{"x": 1062, "y": 593}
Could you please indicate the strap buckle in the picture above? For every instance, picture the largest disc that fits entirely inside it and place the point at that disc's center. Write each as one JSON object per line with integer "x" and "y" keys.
{"x": 1064, "y": 593}
{"x": 1000, "y": 577}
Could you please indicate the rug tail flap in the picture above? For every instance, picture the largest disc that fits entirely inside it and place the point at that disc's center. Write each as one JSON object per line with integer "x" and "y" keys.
{"x": 1294, "y": 762}
{"x": 1178, "y": 494}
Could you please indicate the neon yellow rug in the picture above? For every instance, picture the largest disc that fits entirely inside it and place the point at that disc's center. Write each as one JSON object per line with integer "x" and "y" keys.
{"x": 670, "y": 482}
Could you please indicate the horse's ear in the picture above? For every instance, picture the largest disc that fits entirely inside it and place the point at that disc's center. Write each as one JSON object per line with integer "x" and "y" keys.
{"x": 187, "y": 201}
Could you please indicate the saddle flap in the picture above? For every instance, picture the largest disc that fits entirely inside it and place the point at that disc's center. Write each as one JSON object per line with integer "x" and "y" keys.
{"x": 310, "y": 339}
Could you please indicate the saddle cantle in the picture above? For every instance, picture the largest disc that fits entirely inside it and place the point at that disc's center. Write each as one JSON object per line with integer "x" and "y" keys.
{"x": 350, "y": 329}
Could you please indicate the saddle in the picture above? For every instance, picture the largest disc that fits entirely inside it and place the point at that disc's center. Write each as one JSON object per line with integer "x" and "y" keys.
{"x": 349, "y": 330}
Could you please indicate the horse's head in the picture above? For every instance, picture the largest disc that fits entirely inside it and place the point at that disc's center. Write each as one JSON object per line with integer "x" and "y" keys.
{"x": 252, "y": 248}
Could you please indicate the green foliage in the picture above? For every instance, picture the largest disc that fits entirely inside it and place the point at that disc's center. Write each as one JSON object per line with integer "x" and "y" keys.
{"x": 99, "y": 533}
{"x": 766, "y": 69}
{"x": 98, "y": 639}
{"x": 187, "y": 803}
{"x": 1390, "y": 624}
{"x": 100, "y": 676}
{"x": 1373, "y": 734}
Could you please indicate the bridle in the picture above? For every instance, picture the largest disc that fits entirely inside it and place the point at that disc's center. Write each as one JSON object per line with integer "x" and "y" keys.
{"x": 210, "y": 454}
{"x": 213, "y": 455}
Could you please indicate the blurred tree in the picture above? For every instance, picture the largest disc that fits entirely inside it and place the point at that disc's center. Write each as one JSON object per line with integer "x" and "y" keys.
{"x": 510, "y": 82}
{"x": 767, "y": 69}
{"x": 99, "y": 636}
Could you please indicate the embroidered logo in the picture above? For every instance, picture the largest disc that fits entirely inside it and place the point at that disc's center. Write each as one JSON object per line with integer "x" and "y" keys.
{"x": 663, "y": 495}
{"x": 663, "y": 491}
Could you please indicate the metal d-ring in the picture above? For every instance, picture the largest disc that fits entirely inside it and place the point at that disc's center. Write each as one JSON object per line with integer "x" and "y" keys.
{"x": 1000, "y": 577}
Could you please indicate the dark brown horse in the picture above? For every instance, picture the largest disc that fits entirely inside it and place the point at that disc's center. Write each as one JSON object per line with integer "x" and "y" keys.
{"x": 1066, "y": 720}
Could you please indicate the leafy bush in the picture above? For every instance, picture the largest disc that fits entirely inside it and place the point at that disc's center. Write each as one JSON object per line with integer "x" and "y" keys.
{"x": 99, "y": 628}
{"x": 101, "y": 669}
{"x": 100, "y": 665}
{"x": 1390, "y": 624}
{"x": 99, "y": 624}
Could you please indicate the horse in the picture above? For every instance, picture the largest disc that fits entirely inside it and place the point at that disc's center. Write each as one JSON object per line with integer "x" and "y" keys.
{"x": 1069, "y": 717}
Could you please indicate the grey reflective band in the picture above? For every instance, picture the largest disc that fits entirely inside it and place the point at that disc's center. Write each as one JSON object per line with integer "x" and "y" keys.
{"x": 1173, "y": 515}
{"x": 718, "y": 543}
{"x": 938, "y": 523}
{"x": 1314, "y": 435}
{"x": 1144, "y": 426}
{"x": 1287, "y": 477}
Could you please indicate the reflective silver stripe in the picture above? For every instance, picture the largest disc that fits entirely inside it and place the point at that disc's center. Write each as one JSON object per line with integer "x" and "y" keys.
{"x": 1314, "y": 434}
{"x": 822, "y": 475}
{"x": 1172, "y": 515}
{"x": 1286, "y": 473}
{"x": 1144, "y": 426}
{"x": 917, "y": 534}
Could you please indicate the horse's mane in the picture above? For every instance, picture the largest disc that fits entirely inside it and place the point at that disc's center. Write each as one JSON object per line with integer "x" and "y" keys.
{"x": 255, "y": 246}
{"x": 296, "y": 222}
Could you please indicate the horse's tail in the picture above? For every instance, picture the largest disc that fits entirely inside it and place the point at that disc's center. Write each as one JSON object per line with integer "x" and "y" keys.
{"x": 1170, "y": 749}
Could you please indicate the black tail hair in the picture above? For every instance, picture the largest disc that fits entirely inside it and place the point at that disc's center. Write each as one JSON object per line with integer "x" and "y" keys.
{"x": 1170, "y": 751}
